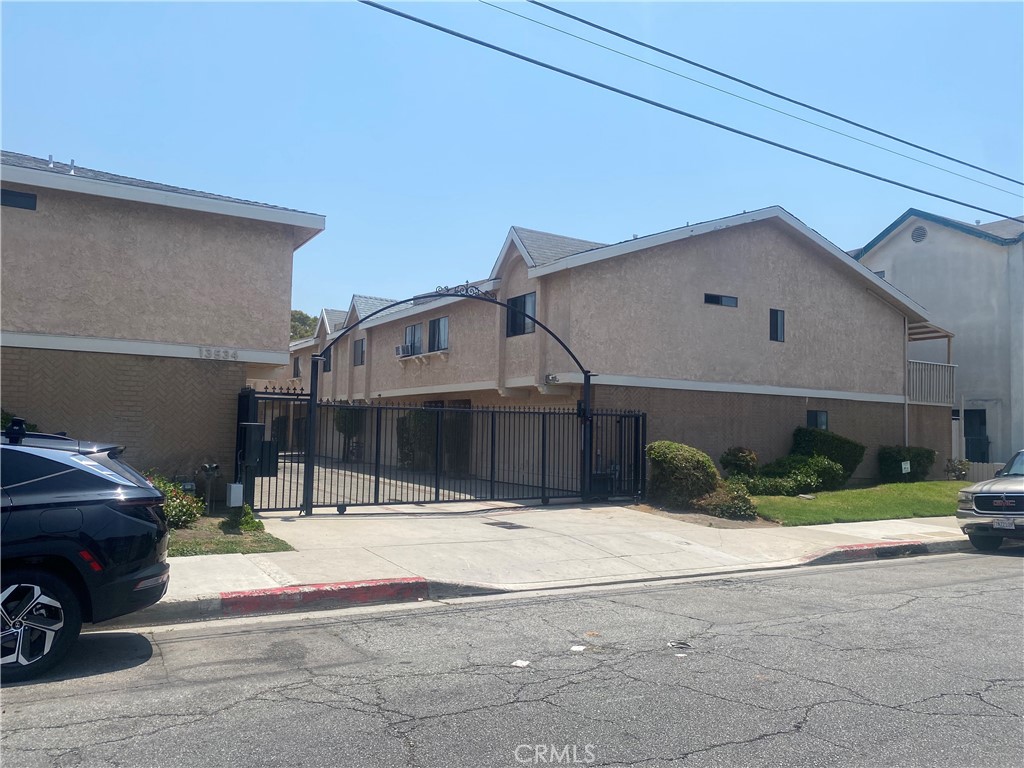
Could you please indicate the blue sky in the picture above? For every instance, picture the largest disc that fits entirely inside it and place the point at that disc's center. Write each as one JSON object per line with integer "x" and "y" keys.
{"x": 422, "y": 150}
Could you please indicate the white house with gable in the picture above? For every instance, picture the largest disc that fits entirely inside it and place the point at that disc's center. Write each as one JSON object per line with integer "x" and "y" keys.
{"x": 970, "y": 278}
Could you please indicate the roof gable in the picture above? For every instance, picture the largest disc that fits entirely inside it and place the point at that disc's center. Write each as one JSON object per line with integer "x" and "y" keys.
{"x": 1002, "y": 232}
{"x": 364, "y": 306}
{"x": 331, "y": 320}
{"x": 539, "y": 248}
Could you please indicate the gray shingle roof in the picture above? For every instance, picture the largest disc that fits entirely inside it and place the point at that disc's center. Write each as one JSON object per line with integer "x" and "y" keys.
{"x": 18, "y": 160}
{"x": 335, "y": 319}
{"x": 1006, "y": 228}
{"x": 365, "y": 305}
{"x": 544, "y": 247}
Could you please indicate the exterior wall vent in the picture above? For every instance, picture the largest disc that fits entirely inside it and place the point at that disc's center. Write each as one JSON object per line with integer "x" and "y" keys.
{"x": 919, "y": 234}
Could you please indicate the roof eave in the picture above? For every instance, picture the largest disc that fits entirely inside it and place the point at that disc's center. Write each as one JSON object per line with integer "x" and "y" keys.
{"x": 418, "y": 309}
{"x": 307, "y": 225}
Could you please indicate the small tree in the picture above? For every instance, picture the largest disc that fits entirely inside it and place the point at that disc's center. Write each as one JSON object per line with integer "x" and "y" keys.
{"x": 303, "y": 325}
{"x": 349, "y": 422}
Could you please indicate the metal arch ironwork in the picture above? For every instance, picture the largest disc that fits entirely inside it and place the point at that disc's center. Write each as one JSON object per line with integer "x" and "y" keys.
{"x": 469, "y": 292}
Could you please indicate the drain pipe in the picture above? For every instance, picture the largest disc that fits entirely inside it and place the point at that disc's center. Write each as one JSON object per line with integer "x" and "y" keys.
{"x": 906, "y": 382}
{"x": 311, "y": 431}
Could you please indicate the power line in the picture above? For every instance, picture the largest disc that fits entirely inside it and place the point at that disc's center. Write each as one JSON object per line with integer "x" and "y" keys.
{"x": 765, "y": 90}
{"x": 668, "y": 108}
{"x": 749, "y": 101}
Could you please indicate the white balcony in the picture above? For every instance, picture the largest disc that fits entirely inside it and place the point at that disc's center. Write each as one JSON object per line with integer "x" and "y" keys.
{"x": 930, "y": 383}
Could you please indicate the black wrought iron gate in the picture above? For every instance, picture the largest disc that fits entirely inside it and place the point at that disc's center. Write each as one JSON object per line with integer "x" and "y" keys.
{"x": 389, "y": 454}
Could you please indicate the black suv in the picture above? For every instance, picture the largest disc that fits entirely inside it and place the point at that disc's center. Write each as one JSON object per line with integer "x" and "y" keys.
{"x": 84, "y": 540}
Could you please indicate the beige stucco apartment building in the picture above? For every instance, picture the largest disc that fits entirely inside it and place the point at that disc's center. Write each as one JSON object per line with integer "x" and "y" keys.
{"x": 730, "y": 332}
{"x": 134, "y": 312}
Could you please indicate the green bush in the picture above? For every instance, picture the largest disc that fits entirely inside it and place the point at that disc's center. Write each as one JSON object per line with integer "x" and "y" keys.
{"x": 241, "y": 518}
{"x": 679, "y": 473}
{"x": 181, "y": 509}
{"x": 766, "y": 486}
{"x": 5, "y": 420}
{"x": 785, "y": 465}
{"x": 729, "y": 500}
{"x": 830, "y": 473}
{"x": 819, "y": 442}
{"x": 803, "y": 481}
{"x": 891, "y": 458}
{"x": 739, "y": 461}
{"x": 957, "y": 469}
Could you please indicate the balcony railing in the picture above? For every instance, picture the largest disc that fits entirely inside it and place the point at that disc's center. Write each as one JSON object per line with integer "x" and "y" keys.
{"x": 930, "y": 383}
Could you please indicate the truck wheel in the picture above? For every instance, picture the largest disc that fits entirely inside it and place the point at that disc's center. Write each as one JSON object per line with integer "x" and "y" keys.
{"x": 985, "y": 543}
{"x": 41, "y": 619}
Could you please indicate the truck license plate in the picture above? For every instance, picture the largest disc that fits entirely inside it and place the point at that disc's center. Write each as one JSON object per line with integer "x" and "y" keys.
{"x": 1003, "y": 524}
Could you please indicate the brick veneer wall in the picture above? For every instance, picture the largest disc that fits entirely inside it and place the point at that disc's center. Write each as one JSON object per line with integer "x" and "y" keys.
{"x": 715, "y": 421}
{"x": 173, "y": 414}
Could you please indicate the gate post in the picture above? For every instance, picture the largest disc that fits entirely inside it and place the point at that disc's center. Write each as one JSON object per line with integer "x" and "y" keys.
{"x": 247, "y": 412}
{"x": 587, "y": 460}
{"x": 544, "y": 458}
{"x": 311, "y": 430}
{"x": 376, "y": 456}
{"x": 494, "y": 452}
{"x": 437, "y": 454}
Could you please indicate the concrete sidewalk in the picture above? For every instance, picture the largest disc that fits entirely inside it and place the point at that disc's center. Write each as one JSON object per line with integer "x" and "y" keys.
{"x": 384, "y": 554}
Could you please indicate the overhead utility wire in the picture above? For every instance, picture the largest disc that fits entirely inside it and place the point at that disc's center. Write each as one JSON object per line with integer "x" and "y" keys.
{"x": 765, "y": 90}
{"x": 667, "y": 108}
{"x": 750, "y": 101}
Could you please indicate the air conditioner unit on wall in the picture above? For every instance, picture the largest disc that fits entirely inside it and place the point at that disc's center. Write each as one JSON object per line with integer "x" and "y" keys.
{"x": 403, "y": 350}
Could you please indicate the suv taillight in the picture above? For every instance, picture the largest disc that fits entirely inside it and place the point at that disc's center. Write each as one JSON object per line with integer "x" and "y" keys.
{"x": 152, "y": 512}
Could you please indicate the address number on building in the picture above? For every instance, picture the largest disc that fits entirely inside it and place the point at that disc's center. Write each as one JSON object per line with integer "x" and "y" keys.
{"x": 213, "y": 353}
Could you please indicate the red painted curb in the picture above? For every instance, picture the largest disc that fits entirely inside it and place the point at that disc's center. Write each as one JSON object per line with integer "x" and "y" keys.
{"x": 848, "y": 553}
{"x": 321, "y": 596}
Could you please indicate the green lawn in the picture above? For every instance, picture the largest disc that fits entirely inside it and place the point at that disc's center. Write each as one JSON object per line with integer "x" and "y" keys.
{"x": 213, "y": 536}
{"x": 883, "y": 502}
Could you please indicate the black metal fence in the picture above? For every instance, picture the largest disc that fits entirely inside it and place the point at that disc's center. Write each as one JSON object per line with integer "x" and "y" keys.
{"x": 391, "y": 454}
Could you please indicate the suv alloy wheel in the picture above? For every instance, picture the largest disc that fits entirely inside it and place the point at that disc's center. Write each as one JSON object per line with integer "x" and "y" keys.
{"x": 41, "y": 619}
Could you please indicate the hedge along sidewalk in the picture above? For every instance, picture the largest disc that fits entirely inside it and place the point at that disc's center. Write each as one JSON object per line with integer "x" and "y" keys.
{"x": 936, "y": 498}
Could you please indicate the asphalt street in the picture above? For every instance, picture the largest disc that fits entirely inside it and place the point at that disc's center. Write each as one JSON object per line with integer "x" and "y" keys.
{"x": 912, "y": 662}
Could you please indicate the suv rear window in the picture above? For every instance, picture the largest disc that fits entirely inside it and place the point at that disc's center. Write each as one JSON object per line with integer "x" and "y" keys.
{"x": 120, "y": 468}
{"x": 20, "y": 467}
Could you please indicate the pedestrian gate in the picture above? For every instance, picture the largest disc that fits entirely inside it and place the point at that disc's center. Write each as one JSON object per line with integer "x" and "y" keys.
{"x": 393, "y": 454}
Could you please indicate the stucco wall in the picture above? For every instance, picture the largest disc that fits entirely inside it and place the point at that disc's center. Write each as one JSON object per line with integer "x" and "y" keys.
{"x": 519, "y": 353}
{"x": 644, "y": 315}
{"x": 173, "y": 414}
{"x": 123, "y": 270}
{"x": 975, "y": 289}
{"x": 470, "y": 356}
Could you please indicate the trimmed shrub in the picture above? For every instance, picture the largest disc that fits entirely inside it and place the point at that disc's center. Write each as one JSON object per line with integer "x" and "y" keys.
{"x": 803, "y": 481}
{"x": 819, "y": 442}
{"x": 784, "y": 466}
{"x": 739, "y": 461}
{"x": 891, "y": 458}
{"x": 830, "y": 473}
{"x": 679, "y": 473}
{"x": 181, "y": 509}
{"x": 729, "y": 500}
{"x": 767, "y": 486}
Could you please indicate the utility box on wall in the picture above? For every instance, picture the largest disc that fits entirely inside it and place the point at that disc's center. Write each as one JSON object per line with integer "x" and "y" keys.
{"x": 234, "y": 494}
